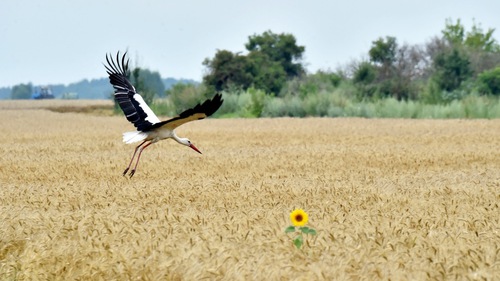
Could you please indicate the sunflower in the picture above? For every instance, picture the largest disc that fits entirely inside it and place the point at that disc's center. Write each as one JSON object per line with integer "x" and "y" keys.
{"x": 298, "y": 217}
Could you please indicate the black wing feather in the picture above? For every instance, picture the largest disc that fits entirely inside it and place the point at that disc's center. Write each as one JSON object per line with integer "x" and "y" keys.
{"x": 124, "y": 92}
{"x": 208, "y": 107}
{"x": 200, "y": 111}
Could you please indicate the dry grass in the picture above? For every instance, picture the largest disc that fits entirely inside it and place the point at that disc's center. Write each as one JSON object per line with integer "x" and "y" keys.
{"x": 390, "y": 199}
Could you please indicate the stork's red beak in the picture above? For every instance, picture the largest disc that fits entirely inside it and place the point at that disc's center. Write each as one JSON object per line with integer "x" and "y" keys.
{"x": 194, "y": 148}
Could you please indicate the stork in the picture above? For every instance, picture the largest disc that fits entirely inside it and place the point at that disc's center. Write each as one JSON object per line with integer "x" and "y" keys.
{"x": 149, "y": 128}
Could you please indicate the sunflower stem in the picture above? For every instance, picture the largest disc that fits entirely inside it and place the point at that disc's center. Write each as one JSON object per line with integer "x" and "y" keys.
{"x": 299, "y": 240}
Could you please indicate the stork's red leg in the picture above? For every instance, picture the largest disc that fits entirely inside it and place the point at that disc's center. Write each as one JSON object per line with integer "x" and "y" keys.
{"x": 139, "y": 157}
{"x": 133, "y": 156}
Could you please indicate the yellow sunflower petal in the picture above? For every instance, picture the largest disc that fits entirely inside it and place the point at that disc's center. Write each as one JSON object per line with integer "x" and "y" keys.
{"x": 299, "y": 217}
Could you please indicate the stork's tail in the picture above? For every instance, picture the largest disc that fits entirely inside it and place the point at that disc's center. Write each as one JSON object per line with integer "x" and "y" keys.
{"x": 131, "y": 137}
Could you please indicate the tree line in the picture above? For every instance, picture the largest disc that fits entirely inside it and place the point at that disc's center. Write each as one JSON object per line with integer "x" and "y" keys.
{"x": 95, "y": 88}
{"x": 270, "y": 79}
{"x": 448, "y": 67}
{"x": 444, "y": 68}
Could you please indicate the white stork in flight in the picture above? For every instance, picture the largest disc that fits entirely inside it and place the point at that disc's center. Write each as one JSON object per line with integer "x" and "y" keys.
{"x": 149, "y": 128}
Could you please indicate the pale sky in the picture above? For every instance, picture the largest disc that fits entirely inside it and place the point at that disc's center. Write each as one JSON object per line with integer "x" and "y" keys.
{"x": 65, "y": 41}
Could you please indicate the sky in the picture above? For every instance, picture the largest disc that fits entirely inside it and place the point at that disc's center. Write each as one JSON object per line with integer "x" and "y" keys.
{"x": 60, "y": 41}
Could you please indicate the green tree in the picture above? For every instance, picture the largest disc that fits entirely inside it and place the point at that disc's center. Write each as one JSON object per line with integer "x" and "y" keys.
{"x": 454, "y": 32}
{"x": 281, "y": 48}
{"x": 479, "y": 46}
{"x": 153, "y": 81}
{"x": 365, "y": 73}
{"x": 451, "y": 69}
{"x": 21, "y": 91}
{"x": 272, "y": 59}
{"x": 148, "y": 84}
{"x": 268, "y": 75}
{"x": 393, "y": 70}
{"x": 476, "y": 38}
{"x": 227, "y": 70}
{"x": 383, "y": 51}
{"x": 364, "y": 77}
{"x": 383, "y": 54}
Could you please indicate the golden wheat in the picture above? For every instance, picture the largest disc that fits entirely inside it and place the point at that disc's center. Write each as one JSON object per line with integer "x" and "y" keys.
{"x": 390, "y": 199}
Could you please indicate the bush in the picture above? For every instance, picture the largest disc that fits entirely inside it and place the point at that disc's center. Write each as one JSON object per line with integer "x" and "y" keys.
{"x": 183, "y": 96}
{"x": 489, "y": 82}
{"x": 386, "y": 108}
{"x": 335, "y": 111}
{"x": 275, "y": 107}
{"x": 230, "y": 105}
{"x": 451, "y": 69}
{"x": 294, "y": 107}
{"x": 258, "y": 101}
{"x": 164, "y": 107}
{"x": 311, "y": 84}
{"x": 238, "y": 103}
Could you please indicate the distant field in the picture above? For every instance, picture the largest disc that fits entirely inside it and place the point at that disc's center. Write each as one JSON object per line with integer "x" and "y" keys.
{"x": 390, "y": 199}
{"x": 96, "y": 107}
{"x": 48, "y": 104}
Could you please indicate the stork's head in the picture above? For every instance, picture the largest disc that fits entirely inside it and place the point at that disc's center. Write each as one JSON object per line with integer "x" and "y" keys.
{"x": 187, "y": 142}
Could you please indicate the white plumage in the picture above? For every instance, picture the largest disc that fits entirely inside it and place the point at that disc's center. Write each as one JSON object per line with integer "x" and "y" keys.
{"x": 136, "y": 136}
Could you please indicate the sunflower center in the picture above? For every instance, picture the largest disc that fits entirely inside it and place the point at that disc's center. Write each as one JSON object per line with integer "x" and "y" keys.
{"x": 299, "y": 218}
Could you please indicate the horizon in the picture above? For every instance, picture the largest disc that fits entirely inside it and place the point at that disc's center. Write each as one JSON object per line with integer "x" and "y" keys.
{"x": 177, "y": 80}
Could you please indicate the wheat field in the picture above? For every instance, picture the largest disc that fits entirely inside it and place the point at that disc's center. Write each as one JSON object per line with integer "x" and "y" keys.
{"x": 390, "y": 199}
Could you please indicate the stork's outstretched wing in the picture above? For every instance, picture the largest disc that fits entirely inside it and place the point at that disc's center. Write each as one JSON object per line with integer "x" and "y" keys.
{"x": 133, "y": 105}
{"x": 200, "y": 111}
